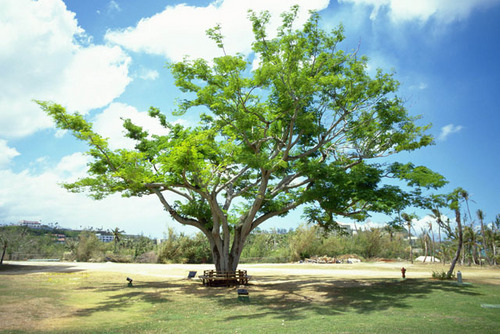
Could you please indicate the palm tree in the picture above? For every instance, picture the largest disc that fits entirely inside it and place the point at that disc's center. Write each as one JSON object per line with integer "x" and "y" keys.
{"x": 408, "y": 219}
{"x": 454, "y": 204}
{"x": 494, "y": 226}
{"x": 117, "y": 236}
{"x": 436, "y": 214}
{"x": 425, "y": 240}
{"x": 71, "y": 245}
{"x": 464, "y": 194}
{"x": 480, "y": 216}
{"x": 433, "y": 244}
{"x": 391, "y": 229}
{"x": 445, "y": 250}
{"x": 470, "y": 244}
{"x": 460, "y": 242}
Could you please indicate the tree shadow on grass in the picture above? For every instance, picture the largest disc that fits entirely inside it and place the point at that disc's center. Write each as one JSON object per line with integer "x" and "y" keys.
{"x": 122, "y": 301}
{"x": 121, "y": 296}
{"x": 290, "y": 298}
{"x": 21, "y": 269}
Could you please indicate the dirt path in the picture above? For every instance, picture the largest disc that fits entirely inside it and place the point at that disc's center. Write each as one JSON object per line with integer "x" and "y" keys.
{"x": 377, "y": 270}
{"x": 173, "y": 270}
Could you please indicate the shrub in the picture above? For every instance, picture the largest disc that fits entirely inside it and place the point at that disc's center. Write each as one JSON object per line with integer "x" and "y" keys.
{"x": 149, "y": 257}
{"x": 89, "y": 247}
{"x": 305, "y": 242}
{"x": 442, "y": 275}
{"x": 119, "y": 258}
{"x": 179, "y": 248}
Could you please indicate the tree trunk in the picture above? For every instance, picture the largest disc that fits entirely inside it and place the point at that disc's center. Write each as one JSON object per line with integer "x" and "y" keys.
{"x": 484, "y": 245}
{"x": 460, "y": 240}
{"x": 462, "y": 257}
{"x": 425, "y": 248}
{"x": 225, "y": 261}
{"x": 433, "y": 245}
{"x": 3, "y": 252}
{"x": 473, "y": 246}
{"x": 409, "y": 239}
{"x": 494, "y": 252}
{"x": 228, "y": 258}
{"x": 225, "y": 258}
{"x": 441, "y": 245}
{"x": 474, "y": 254}
{"x": 493, "y": 244}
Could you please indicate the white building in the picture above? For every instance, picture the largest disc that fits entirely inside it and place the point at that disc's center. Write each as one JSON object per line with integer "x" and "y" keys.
{"x": 348, "y": 228}
{"x": 105, "y": 237}
{"x": 32, "y": 224}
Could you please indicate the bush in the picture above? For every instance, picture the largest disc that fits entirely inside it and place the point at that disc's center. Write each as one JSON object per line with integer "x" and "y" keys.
{"x": 89, "y": 247}
{"x": 179, "y": 248}
{"x": 69, "y": 256}
{"x": 264, "y": 260}
{"x": 119, "y": 258}
{"x": 305, "y": 242}
{"x": 148, "y": 257}
{"x": 442, "y": 275}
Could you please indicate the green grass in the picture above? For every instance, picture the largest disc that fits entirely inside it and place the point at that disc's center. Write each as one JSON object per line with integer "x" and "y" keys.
{"x": 95, "y": 302}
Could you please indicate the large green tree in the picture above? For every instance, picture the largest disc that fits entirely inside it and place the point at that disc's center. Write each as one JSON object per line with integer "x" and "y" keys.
{"x": 297, "y": 122}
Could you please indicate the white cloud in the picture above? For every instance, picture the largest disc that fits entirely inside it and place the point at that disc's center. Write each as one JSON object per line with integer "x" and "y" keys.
{"x": 31, "y": 196}
{"x": 147, "y": 74}
{"x": 95, "y": 76}
{"x": 72, "y": 166}
{"x": 422, "y": 10}
{"x": 448, "y": 130}
{"x": 36, "y": 194}
{"x": 114, "y": 6}
{"x": 377, "y": 60}
{"x": 6, "y": 153}
{"x": 368, "y": 224}
{"x": 418, "y": 86}
{"x": 109, "y": 124}
{"x": 418, "y": 225}
{"x": 422, "y": 86}
{"x": 180, "y": 30}
{"x": 60, "y": 133}
{"x": 39, "y": 196}
{"x": 41, "y": 58}
{"x": 424, "y": 224}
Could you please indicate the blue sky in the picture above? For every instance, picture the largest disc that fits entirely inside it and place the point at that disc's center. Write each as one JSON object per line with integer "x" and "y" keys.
{"x": 107, "y": 59}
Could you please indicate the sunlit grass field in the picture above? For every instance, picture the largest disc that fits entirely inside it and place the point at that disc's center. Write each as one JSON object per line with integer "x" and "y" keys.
{"x": 87, "y": 301}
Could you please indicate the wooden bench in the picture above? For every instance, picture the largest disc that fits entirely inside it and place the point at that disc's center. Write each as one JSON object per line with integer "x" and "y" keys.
{"x": 224, "y": 278}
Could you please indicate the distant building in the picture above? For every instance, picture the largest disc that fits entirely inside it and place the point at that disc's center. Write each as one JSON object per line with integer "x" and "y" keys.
{"x": 347, "y": 228}
{"x": 59, "y": 238}
{"x": 105, "y": 237}
{"x": 29, "y": 223}
{"x": 413, "y": 240}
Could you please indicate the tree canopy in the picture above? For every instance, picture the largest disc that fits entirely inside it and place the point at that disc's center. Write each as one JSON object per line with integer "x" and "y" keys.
{"x": 298, "y": 122}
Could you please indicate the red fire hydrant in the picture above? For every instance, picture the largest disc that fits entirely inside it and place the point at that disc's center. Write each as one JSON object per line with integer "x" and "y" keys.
{"x": 403, "y": 272}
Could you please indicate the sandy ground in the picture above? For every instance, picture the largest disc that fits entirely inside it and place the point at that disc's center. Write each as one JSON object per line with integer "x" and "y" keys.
{"x": 178, "y": 270}
{"x": 379, "y": 270}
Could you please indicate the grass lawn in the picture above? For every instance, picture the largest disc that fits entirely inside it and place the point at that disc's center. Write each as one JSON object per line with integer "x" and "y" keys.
{"x": 100, "y": 302}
